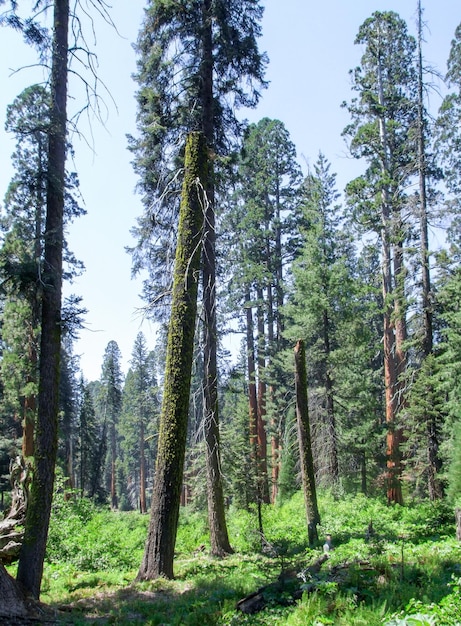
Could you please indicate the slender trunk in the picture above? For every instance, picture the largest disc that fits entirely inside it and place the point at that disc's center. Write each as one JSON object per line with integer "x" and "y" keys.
{"x": 30, "y": 569}
{"x": 142, "y": 470}
{"x": 274, "y": 435}
{"x": 261, "y": 422}
{"x": 304, "y": 440}
{"x": 159, "y": 550}
{"x": 252, "y": 398}
{"x": 216, "y": 513}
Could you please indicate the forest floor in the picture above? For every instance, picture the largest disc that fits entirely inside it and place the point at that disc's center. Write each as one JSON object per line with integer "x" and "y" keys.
{"x": 408, "y": 571}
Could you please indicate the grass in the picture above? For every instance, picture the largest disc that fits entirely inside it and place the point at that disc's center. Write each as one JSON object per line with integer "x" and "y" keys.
{"x": 407, "y": 573}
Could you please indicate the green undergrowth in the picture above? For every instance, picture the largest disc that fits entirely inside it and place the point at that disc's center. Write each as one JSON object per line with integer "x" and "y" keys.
{"x": 404, "y": 571}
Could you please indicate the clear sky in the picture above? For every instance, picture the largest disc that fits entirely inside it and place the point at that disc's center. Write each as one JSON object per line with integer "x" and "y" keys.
{"x": 311, "y": 50}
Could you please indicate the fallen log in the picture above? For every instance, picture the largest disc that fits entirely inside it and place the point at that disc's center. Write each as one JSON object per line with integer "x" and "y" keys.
{"x": 287, "y": 587}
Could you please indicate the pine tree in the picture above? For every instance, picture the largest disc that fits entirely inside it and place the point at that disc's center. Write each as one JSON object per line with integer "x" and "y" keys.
{"x": 320, "y": 306}
{"x": 259, "y": 235}
{"x": 87, "y": 465}
{"x": 196, "y": 88}
{"x": 21, "y": 254}
{"x": 111, "y": 403}
{"x": 139, "y": 420}
{"x": 383, "y": 114}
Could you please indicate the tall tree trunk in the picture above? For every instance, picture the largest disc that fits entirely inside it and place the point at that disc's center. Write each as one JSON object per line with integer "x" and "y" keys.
{"x": 252, "y": 397}
{"x": 216, "y": 512}
{"x": 30, "y": 569}
{"x": 393, "y": 452}
{"x": 435, "y": 487}
{"x": 263, "y": 481}
{"x": 142, "y": 470}
{"x": 274, "y": 342}
{"x": 304, "y": 440}
{"x": 159, "y": 550}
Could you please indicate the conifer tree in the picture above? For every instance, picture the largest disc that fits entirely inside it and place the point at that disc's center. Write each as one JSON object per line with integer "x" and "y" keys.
{"x": 87, "y": 466}
{"x": 197, "y": 62}
{"x": 32, "y": 555}
{"x": 383, "y": 114}
{"x": 159, "y": 550}
{"x": 110, "y": 401}
{"x": 138, "y": 421}
{"x": 259, "y": 234}
{"x": 320, "y": 306}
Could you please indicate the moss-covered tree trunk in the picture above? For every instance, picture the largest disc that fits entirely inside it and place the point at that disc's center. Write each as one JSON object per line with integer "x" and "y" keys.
{"x": 32, "y": 554}
{"x": 304, "y": 440}
{"x": 159, "y": 550}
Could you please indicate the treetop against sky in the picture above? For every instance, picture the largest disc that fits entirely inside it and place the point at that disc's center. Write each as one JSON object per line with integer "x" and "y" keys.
{"x": 311, "y": 50}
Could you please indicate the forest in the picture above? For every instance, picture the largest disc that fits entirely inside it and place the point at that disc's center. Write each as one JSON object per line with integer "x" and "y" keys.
{"x": 288, "y": 452}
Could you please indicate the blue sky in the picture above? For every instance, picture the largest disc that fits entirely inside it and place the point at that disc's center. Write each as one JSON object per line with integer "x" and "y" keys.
{"x": 311, "y": 50}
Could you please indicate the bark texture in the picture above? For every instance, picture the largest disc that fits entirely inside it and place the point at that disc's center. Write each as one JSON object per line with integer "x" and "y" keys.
{"x": 13, "y": 602}
{"x": 159, "y": 550}
{"x": 304, "y": 440}
{"x": 32, "y": 554}
{"x": 215, "y": 495}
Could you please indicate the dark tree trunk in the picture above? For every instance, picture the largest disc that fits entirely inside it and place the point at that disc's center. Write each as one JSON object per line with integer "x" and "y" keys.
{"x": 142, "y": 470}
{"x": 113, "y": 458}
{"x": 32, "y": 554}
{"x": 216, "y": 512}
{"x": 263, "y": 480}
{"x": 304, "y": 440}
{"x": 252, "y": 398}
{"x": 159, "y": 550}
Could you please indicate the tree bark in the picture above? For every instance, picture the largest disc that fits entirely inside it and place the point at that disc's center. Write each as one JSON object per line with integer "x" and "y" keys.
{"x": 216, "y": 513}
{"x": 393, "y": 439}
{"x": 252, "y": 398}
{"x": 13, "y": 603}
{"x": 262, "y": 477}
{"x": 159, "y": 550}
{"x": 30, "y": 569}
{"x": 142, "y": 470}
{"x": 304, "y": 440}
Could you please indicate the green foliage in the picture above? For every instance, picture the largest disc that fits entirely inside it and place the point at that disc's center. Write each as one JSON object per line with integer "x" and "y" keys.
{"x": 407, "y": 571}
{"x": 91, "y": 539}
